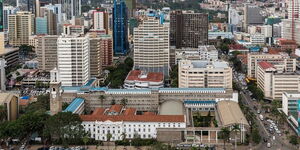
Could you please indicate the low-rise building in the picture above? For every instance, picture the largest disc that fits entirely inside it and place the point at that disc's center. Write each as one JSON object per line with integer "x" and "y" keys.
{"x": 204, "y": 74}
{"x": 137, "y": 79}
{"x": 120, "y": 122}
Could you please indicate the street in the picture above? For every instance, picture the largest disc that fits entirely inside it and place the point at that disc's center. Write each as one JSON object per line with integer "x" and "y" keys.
{"x": 276, "y": 143}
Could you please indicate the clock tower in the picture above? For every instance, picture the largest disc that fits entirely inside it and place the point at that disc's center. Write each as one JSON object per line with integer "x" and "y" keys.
{"x": 55, "y": 92}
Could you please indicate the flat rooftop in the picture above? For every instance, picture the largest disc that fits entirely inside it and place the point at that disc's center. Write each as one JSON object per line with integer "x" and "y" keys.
{"x": 205, "y": 64}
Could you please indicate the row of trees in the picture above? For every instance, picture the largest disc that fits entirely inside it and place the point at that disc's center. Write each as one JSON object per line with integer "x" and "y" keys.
{"x": 226, "y": 132}
{"x": 118, "y": 74}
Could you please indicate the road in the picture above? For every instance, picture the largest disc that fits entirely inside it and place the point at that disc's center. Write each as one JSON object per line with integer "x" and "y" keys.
{"x": 277, "y": 144}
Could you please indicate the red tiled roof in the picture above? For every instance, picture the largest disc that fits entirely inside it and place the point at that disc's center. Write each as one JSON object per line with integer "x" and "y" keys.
{"x": 265, "y": 65}
{"x": 23, "y": 102}
{"x": 129, "y": 111}
{"x": 237, "y": 46}
{"x": 287, "y": 42}
{"x": 149, "y": 113}
{"x": 134, "y": 118}
{"x": 115, "y": 108}
{"x": 151, "y": 76}
{"x": 98, "y": 111}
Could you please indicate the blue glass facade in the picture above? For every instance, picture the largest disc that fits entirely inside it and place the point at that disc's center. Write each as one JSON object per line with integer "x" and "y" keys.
{"x": 120, "y": 28}
{"x": 41, "y": 25}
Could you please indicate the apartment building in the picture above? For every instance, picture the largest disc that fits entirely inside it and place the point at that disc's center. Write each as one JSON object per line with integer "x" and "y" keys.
{"x": 73, "y": 60}
{"x": 69, "y": 29}
{"x": 20, "y": 27}
{"x": 46, "y": 51}
{"x": 100, "y": 21}
{"x": 204, "y": 74}
{"x": 151, "y": 46}
{"x": 280, "y": 60}
{"x": 273, "y": 82}
{"x": 188, "y": 29}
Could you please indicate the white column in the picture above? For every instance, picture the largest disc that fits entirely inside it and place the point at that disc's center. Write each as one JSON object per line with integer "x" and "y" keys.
{"x": 208, "y": 136}
{"x": 216, "y": 136}
{"x": 201, "y": 136}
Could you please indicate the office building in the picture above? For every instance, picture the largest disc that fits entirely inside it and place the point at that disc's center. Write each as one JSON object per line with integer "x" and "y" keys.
{"x": 137, "y": 79}
{"x": 11, "y": 56}
{"x": 257, "y": 39}
{"x": 2, "y": 74}
{"x": 11, "y": 105}
{"x": 204, "y": 52}
{"x": 106, "y": 49}
{"x": 100, "y": 21}
{"x": 8, "y": 10}
{"x": 1, "y": 27}
{"x": 20, "y": 26}
{"x": 151, "y": 46}
{"x": 291, "y": 108}
{"x": 71, "y": 8}
{"x": 188, "y": 29}
{"x": 41, "y": 25}
{"x": 252, "y": 16}
{"x": 95, "y": 57}
{"x": 204, "y": 74}
{"x": 117, "y": 120}
{"x": 273, "y": 82}
{"x": 51, "y": 22}
{"x": 280, "y": 60}
{"x": 131, "y": 5}
{"x": 69, "y": 29}
{"x": 46, "y": 51}
{"x": 73, "y": 60}
{"x": 56, "y": 9}
{"x": 120, "y": 28}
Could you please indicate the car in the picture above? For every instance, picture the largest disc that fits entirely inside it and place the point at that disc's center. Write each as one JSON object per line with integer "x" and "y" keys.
{"x": 269, "y": 145}
{"x": 258, "y": 111}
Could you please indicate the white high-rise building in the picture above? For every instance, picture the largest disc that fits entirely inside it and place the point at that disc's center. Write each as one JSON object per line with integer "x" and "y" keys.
{"x": 151, "y": 46}
{"x": 100, "y": 19}
{"x": 73, "y": 60}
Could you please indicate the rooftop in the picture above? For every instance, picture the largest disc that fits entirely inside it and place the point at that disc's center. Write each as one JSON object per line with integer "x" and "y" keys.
{"x": 230, "y": 113}
{"x": 5, "y": 97}
{"x": 138, "y": 75}
{"x": 265, "y": 65}
{"x": 74, "y": 105}
{"x": 205, "y": 64}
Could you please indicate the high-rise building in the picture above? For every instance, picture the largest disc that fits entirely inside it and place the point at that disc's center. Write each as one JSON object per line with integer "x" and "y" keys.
{"x": 20, "y": 26}
{"x": 41, "y": 25}
{"x": 69, "y": 29}
{"x": 71, "y": 8}
{"x": 37, "y": 8}
{"x": 73, "y": 60}
{"x": 46, "y": 51}
{"x": 188, "y": 29}
{"x": 252, "y": 16}
{"x": 290, "y": 25}
{"x": 151, "y": 46}
{"x": 2, "y": 74}
{"x": 51, "y": 22}
{"x": 120, "y": 27}
{"x": 100, "y": 21}
{"x": 204, "y": 74}
{"x": 8, "y": 10}
{"x": 131, "y": 5}
{"x": 56, "y": 9}
{"x": 106, "y": 49}
{"x": 1, "y": 27}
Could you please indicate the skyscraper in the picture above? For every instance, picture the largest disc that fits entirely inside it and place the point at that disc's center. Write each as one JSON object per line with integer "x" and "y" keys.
{"x": 151, "y": 46}
{"x": 120, "y": 28}
{"x": 100, "y": 19}
{"x": 73, "y": 60}
{"x": 46, "y": 51}
{"x": 1, "y": 28}
{"x": 252, "y": 16}
{"x": 71, "y": 8}
{"x": 20, "y": 27}
{"x": 188, "y": 29}
{"x": 41, "y": 25}
{"x": 290, "y": 25}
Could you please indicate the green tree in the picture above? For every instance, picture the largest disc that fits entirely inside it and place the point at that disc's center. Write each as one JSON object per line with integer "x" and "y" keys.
{"x": 123, "y": 136}
{"x": 3, "y": 113}
{"x": 113, "y": 102}
{"x": 108, "y": 136}
{"x": 256, "y": 138}
{"x": 293, "y": 139}
{"x": 85, "y": 140}
{"x": 42, "y": 104}
{"x": 225, "y": 134}
{"x": 235, "y": 128}
{"x": 102, "y": 98}
{"x": 124, "y": 102}
{"x": 224, "y": 48}
{"x": 289, "y": 51}
{"x": 174, "y": 76}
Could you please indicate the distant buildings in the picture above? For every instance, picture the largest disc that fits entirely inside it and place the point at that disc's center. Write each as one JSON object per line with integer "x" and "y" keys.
{"x": 188, "y": 29}
{"x": 7, "y": 10}
{"x": 2, "y": 74}
{"x": 120, "y": 28}
{"x": 46, "y": 51}
{"x": 252, "y": 16}
{"x": 71, "y": 8}
{"x": 73, "y": 60}
{"x": 204, "y": 74}
{"x": 20, "y": 26}
{"x": 41, "y": 25}
{"x": 137, "y": 79}
{"x": 290, "y": 107}
{"x": 151, "y": 46}
{"x": 100, "y": 21}
{"x": 69, "y": 29}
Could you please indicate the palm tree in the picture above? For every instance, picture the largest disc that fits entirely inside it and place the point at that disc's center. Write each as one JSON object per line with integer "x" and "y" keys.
{"x": 3, "y": 113}
{"x": 102, "y": 98}
{"x": 225, "y": 132}
{"x": 124, "y": 101}
{"x": 235, "y": 128}
{"x": 123, "y": 136}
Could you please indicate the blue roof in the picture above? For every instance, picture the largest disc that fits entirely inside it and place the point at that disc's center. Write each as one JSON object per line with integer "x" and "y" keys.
{"x": 254, "y": 49}
{"x": 199, "y": 102}
{"x": 89, "y": 83}
{"x": 25, "y": 97}
{"x": 75, "y": 88}
{"x": 192, "y": 89}
{"x": 74, "y": 105}
{"x": 99, "y": 89}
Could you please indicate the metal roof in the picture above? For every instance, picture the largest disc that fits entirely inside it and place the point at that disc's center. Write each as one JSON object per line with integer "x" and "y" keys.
{"x": 76, "y": 103}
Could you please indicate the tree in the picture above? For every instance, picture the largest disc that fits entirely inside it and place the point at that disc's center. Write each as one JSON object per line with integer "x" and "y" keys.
{"x": 113, "y": 102}
{"x": 3, "y": 113}
{"x": 256, "y": 138}
{"x": 108, "y": 136}
{"x": 102, "y": 98}
{"x": 235, "y": 128}
{"x": 225, "y": 133}
{"x": 85, "y": 140}
{"x": 224, "y": 48}
{"x": 124, "y": 101}
{"x": 42, "y": 104}
{"x": 25, "y": 49}
{"x": 123, "y": 136}
{"x": 289, "y": 51}
{"x": 294, "y": 139}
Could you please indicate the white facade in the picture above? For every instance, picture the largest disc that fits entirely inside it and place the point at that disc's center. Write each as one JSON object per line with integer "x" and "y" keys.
{"x": 257, "y": 39}
{"x": 266, "y": 30}
{"x": 151, "y": 46}
{"x": 2, "y": 74}
{"x": 145, "y": 130}
{"x": 288, "y": 99}
{"x": 56, "y": 8}
{"x": 207, "y": 52}
{"x": 99, "y": 20}
{"x": 204, "y": 74}
{"x": 73, "y": 60}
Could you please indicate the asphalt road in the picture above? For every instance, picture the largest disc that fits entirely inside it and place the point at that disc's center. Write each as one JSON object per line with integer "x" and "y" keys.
{"x": 277, "y": 144}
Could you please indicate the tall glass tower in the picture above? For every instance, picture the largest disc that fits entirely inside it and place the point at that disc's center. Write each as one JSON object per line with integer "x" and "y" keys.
{"x": 1, "y": 15}
{"x": 120, "y": 28}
